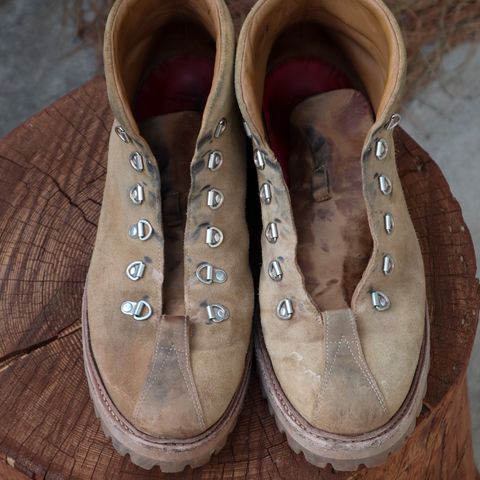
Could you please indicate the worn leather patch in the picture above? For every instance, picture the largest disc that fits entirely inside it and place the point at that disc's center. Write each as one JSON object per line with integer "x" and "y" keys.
{"x": 349, "y": 400}
{"x": 169, "y": 402}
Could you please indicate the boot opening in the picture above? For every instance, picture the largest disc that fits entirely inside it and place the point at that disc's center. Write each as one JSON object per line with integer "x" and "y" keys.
{"x": 317, "y": 116}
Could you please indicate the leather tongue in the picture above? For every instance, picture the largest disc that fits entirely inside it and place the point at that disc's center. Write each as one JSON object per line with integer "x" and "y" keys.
{"x": 327, "y": 132}
{"x": 172, "y": 138}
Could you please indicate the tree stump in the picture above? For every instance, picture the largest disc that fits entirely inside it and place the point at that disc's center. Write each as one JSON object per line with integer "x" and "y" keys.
{"x": 52, "y": 172}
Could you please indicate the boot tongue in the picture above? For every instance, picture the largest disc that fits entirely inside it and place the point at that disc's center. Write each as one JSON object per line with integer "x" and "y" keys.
{"x": 172, "y": 138}
{"x": 327, "y": 133}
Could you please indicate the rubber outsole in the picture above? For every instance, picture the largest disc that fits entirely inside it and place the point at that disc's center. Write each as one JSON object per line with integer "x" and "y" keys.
{"x": 343, "y": 453}
{"x": 145, "y": 451}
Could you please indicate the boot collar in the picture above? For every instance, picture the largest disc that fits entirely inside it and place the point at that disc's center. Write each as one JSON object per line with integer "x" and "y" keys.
{"x": 130, "y": 27}
{"x": 365, "y": 29}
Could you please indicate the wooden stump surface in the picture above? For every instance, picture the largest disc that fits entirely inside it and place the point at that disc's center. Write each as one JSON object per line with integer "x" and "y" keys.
{"x": 52, "y": 172}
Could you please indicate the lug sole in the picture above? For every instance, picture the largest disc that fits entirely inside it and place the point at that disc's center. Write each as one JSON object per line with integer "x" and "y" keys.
{"x": 343, "y": 453}
{"x": 146, "y": 451}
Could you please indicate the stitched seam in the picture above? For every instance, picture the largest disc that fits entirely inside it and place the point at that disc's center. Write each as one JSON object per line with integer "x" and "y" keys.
{"x": 150, "y": 382}
{"x": 326, "y": 336}
{"x": 323, "y": 391}
{"x": 152, "y": 368}
{"x": 352, "y": 323}
{"x": 190, "y": 393}
{"x": 186, "y": 348}
{"x": 326, "y": 376}
{"x": 169, "y": 348}
{"x": 368, "y": 379}
{"x": 107, "y": 405}
{"x": 364, "y": 367}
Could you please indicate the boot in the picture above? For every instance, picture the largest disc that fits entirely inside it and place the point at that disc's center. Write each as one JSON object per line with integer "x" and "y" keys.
{"x": 169, "y": 297}
{"x": 343, "y": 348}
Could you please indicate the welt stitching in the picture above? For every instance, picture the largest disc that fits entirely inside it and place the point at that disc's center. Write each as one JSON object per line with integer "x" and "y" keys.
{"x": 111, "y": 411}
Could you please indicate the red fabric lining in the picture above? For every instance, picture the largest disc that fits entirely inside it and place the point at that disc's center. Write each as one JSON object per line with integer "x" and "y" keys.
{"x": 287, "y": 85}
{"x": 179, "y": 84}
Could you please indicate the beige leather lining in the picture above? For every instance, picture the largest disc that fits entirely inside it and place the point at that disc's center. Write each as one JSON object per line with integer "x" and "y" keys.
{"x": 132, "y": 32}
{"x": 359, "y": 28}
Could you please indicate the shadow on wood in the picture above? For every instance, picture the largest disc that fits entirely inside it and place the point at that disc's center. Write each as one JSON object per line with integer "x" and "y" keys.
{"x": 52, "y": 171}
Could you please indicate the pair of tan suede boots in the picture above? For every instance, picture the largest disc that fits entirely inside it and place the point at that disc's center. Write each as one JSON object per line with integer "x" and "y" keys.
{"x": 342, "y": 344}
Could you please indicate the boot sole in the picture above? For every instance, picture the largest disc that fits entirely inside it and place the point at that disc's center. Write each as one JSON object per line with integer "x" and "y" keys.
{"x": 343, "y": 452}
{"x": 146, "y": 451}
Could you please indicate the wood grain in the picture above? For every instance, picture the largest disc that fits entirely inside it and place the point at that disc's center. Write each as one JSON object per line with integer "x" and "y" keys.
{"x": 52, "y": 172}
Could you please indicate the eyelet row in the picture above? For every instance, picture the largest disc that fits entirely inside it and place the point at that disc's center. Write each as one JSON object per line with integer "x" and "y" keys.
{"x": 142, "y": 230}
{"x": 285, "y": 309}
{"x": 380, "y": 300}
{"x": 206, "y": 273}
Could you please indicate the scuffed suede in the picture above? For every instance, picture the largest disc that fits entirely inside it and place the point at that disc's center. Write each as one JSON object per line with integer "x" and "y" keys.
{"x": 169, "y": 393}
{"x": 346, "y": 368}
{"x": 173, "y": 375}
{"x": 349, "y": 399}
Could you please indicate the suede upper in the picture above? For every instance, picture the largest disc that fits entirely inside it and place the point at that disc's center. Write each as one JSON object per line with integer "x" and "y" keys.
{"x": 347, "y": 370}
{"x": 170, "y": 376}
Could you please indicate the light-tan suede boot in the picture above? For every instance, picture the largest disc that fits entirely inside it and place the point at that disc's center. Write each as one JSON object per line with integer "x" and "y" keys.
{"x": 169, "y": 296}
{"x": 343, "y": 349}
